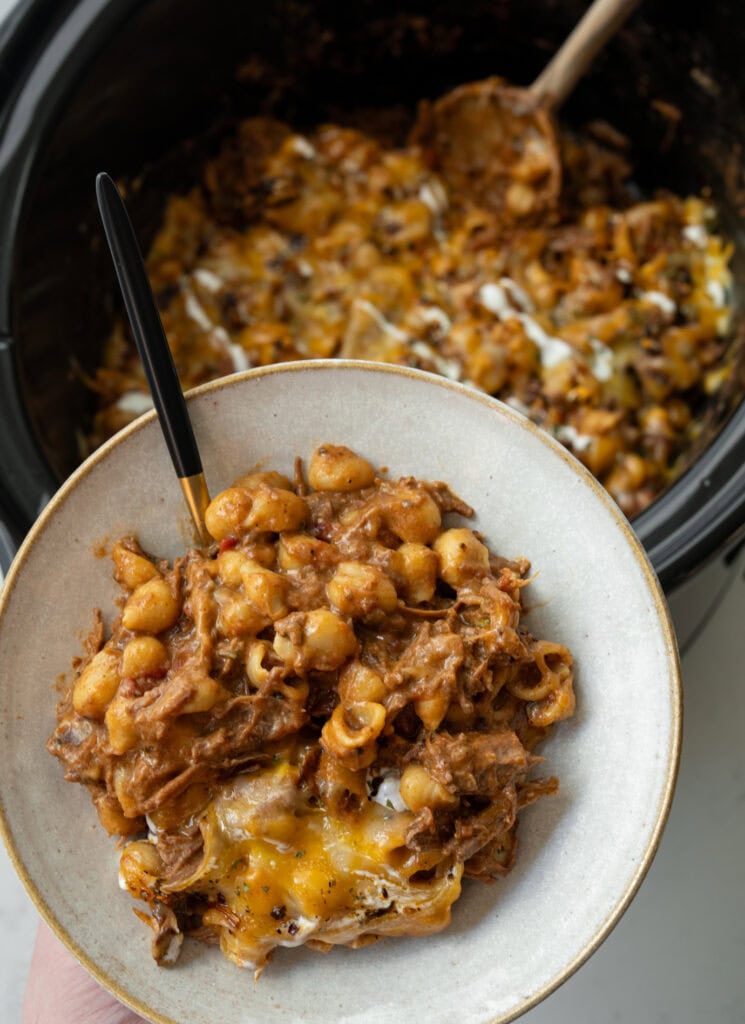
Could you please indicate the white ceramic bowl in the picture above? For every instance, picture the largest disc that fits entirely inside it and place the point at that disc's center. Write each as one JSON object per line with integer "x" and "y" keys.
{"x": 582, "y": 853}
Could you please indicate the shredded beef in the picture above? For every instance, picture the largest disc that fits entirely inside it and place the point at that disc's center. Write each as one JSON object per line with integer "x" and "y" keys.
{"x": 180, "y": 853}
{"x": 472, "y": 762}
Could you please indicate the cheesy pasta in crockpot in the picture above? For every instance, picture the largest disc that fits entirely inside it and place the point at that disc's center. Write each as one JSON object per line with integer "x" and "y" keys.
{"x": 604, "y": 318}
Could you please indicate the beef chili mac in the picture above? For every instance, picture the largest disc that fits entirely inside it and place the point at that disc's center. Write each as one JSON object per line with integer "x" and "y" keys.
{"x": 312, "y": 730}
{"x": 605, "y": 319}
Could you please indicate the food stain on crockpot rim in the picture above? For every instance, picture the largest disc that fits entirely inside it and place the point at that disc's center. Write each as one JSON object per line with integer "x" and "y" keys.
{"x": 655, "y": 595}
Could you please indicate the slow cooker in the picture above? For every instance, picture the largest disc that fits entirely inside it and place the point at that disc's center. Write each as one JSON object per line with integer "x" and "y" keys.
{"x": 145, "y": 90}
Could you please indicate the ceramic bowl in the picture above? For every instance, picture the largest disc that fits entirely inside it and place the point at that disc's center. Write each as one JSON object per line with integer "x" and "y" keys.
{"x": 582, "y": 853}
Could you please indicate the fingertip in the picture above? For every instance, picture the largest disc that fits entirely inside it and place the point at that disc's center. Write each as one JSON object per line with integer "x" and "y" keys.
{"x": 60, "y": 991}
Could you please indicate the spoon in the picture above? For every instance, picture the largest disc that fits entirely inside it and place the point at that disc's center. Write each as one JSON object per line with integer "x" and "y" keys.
{"x": 496, "y": 143}
{"x": 150, "y": 339}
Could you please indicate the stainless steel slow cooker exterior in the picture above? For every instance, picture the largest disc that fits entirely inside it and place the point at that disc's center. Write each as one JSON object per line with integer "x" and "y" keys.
{"x": 128, "y": 85}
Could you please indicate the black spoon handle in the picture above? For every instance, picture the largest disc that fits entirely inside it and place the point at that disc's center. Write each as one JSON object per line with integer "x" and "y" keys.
{"x": 152, "y": 345}
{"x": 147, "y": 329}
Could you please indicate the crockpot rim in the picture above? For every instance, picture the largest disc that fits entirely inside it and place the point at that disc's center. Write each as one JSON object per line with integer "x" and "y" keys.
{"x": 29, "y": 35}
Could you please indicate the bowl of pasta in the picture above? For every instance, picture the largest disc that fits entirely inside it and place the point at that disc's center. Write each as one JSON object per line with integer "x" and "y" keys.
{"x": 423, "y": 652}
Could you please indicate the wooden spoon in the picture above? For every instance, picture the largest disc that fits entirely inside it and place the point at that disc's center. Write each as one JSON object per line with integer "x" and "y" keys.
{"x": 496, "y": 143}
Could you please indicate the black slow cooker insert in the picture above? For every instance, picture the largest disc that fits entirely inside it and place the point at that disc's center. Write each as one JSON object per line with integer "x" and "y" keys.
{"x": 146, "y": 90}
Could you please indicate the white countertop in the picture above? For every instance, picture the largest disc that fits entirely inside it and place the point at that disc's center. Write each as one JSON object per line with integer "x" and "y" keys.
{"x": 678, "y": 955}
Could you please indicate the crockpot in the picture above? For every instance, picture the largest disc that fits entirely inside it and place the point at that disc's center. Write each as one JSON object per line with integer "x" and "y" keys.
{"x": 145, "y": 89}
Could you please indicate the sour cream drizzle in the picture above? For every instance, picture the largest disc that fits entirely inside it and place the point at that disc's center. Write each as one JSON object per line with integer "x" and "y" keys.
{"x": 195, "y": 312}
{"x": 303, "y": 147}
{"x": 134, "y": 402}
{"x": 433, "y": 195}
{"x": 389, "y": 793}
{"x": 502, "y": 299}
{"x": 659, "y": 299}
{"x": 449, "y": 368}
{"x": 696, "y": 233}
{"x": 385, "y": 325}
{"x": 208, "y": 279}
{"x": 569, "y": 435}
{"x": 602, "y": 361}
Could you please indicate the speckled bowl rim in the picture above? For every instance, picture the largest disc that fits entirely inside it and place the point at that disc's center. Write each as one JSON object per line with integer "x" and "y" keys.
{"x": 499, "y": 408}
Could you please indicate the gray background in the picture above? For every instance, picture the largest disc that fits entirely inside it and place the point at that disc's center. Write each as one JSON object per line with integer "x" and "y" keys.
{"x": 678, "y": 955}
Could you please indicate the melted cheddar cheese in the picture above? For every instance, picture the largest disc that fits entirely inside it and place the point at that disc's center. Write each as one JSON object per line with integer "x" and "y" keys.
{"x": 279, "y": 870}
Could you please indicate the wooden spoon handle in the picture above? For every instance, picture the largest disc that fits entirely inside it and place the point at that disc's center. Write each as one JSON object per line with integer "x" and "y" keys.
{"x": 592, "y": 32}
